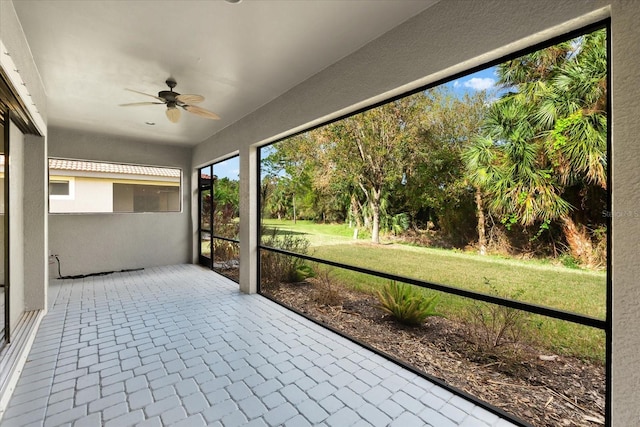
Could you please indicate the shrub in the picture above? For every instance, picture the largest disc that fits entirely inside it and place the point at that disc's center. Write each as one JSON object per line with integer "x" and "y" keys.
{"x": 406, "y": 304}
{"x": 276, "y": 268}
{"x": 223, "y": 250}
{"x": 496, "y": 329}
{"x": 326, "y": 290}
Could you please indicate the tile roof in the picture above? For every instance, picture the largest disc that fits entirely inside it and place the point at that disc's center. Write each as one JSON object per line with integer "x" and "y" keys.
{"x": 78, "y": 165}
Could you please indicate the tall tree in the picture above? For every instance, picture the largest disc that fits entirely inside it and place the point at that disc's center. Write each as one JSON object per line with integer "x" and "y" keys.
{"x": 479, "y": 159}
{"x": 290, "y": 164}
{"x": 435, "y": 174}
{"x": 369, "y": 150}
{"x": 550, "y": 136}
{"x": 226, "y": 204}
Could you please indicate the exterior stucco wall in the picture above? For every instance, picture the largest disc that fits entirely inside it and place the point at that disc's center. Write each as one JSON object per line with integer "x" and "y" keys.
{"x": 625, "y": 159}
{"x": 16, "y": 225}
{"x": 90, "y": 243}
{"x": 36, "y": 234}
{"x": 450, "y": 37}
{"x": 89, "y": 195}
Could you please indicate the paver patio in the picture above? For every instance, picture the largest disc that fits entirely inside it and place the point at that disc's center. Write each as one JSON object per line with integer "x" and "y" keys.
{"x": 180, "y": 345}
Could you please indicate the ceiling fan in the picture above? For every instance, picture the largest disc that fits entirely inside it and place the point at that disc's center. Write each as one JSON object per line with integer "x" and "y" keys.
{"x": 173, "y": 100}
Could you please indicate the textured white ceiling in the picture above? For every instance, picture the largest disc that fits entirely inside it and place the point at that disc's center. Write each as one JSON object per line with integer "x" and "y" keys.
{"x": 238, "y": 56}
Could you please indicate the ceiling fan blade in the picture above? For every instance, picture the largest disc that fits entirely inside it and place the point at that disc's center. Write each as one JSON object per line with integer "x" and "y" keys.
{"x": 134, "y": 104}
{"x": 190, "y": 99}
{"x": 146, "y": 94}
{"x": 173, "y": 114}
{"x": 201, "y": 112}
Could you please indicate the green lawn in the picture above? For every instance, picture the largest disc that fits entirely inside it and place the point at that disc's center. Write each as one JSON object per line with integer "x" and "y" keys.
{"x": 533, "y": 281}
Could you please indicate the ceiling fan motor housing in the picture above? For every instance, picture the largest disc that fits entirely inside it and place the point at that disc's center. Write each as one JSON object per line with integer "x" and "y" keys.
{"x": 168, "y": 95}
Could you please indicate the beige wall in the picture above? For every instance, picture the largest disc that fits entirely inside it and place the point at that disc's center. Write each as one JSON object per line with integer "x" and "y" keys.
{"x": 450, "y": 37}
{"x": 16, "y": 224}
{"x": 91, "y": 243}
{"x": 89, "y": 195}
{"x": 36, "y": 233}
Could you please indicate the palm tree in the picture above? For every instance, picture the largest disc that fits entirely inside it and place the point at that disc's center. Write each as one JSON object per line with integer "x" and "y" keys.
{"x": 480, "y": 161}
{"x": 550, "y": 135}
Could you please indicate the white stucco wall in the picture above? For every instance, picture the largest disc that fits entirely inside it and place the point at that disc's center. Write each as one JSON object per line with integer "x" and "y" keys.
{"x": 89, "y": 195}
{"x": 16, "y": 224}
{"x": 91, "y": 243}
{"x": 36, "y": 233}
{"x": 450, "y": 37}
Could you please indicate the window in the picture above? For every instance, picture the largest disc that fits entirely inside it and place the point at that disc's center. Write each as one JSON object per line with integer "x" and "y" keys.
{"x": 60, "y": 189}
{"x": 79, "y": 186}
{"x": 145, "y": 198}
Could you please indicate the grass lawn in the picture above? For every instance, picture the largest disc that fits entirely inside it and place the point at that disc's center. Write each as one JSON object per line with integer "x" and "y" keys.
{"x": 533, "y": 281}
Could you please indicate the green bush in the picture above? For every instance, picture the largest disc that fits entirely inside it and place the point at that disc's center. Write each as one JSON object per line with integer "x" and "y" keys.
{"x": 406, "y": 304}
{"x": 569, "y": 261}
{"x": 278, "y": 268}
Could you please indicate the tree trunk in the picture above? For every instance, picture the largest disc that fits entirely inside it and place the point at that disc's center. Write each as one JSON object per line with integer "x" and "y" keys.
{"x": 294, "y": 209}
{"x": 482, "y": 236}
{"x": 578, "y": 241}
{"x": 355, "y": 211}
{"x": 375, "y": 214}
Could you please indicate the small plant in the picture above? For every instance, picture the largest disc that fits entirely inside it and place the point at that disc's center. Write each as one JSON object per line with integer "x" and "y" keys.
{"x": 326, "y": 290}
{"x": 302, "y": 272}
{"x": 569, "y": 261}
{"x": 406, "y": 304}
{"x": 496, "y": 329}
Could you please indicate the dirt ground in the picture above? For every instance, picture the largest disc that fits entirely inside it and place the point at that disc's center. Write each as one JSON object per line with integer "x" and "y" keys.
{"x": 537, "y": 387}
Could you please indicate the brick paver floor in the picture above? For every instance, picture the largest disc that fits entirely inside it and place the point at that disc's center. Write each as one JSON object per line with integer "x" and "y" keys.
{"x": 181, "y": 346}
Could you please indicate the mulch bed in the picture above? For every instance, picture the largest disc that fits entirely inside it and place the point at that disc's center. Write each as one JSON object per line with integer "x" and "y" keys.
{"x": 557, "y": 391}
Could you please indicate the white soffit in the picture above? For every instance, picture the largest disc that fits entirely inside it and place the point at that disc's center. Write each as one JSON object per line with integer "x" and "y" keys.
{"x": 238, "y": 56}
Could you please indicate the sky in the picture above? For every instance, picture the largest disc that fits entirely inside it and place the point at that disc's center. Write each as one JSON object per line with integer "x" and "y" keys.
{"x": 480, "y": 80}
{"x": 229, "y": 168}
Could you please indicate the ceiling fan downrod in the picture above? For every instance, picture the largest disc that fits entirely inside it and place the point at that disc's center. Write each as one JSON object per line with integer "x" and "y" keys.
{"x": 169, "y": 95}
